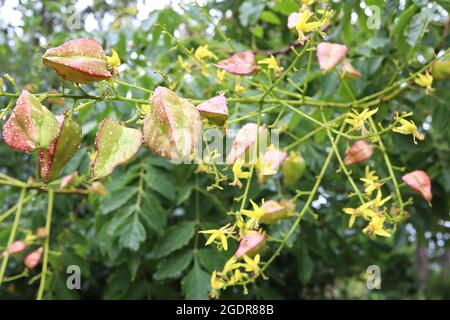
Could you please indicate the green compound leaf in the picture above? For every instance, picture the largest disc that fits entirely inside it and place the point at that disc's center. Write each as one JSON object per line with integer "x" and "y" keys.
{"x": 174, "y": 265}
{"x": 116, "y": 144}
{"x": 174, "y": 238}
{"x": 31, "y": 125}
{"x": 196, "y": 284}
{"x": 173, "y": 127}
{"x": 61, "y": 150}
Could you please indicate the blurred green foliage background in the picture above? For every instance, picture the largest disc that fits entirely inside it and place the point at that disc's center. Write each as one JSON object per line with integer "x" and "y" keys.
{"x": 126, "y": 254}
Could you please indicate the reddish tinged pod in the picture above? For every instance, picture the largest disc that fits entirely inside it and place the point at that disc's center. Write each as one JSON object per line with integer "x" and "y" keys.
{"x": 329, "y": 55}
{"x": 419, "y": 181}
{"x": 33, "y": 259}
{"x": 69, "y": 180}
{"x": 17, "y": 247}
{"x": 275, "y": 211}
{"x": 53, "y": 159}
{"x": 251, "y": 244}
{"x": 30, "y": 126}
{"x": 214, "y": 109}
{"x": 349, "y": 72}
{"x": 242, "y": 63}
{"x": 360, "y": 151}
{"x": 173, "y": 126}
{"x": 245, "y": 138}
{"x": 80, "y": 60}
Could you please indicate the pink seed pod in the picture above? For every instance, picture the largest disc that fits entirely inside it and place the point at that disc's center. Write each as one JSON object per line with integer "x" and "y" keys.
{"x": 329, "y": 55}
{"x": 418, "y": 180}
{"x": 242, "y": 63}
{"x": 33, "y": 259}
{"x": 17, "y": 247}
{"x": 275, "y": 211}
{"x": 214, "y": 109}
{"x": 251, "y": 244}
{"x": 360, "y": 151}
{"x": 349, "y": 72}
{"x": 80, "y": 61}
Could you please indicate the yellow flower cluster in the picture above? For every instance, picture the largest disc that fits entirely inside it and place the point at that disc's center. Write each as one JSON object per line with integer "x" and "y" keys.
{"x": 373, "y": 209}
{"x": 234, "y": 273}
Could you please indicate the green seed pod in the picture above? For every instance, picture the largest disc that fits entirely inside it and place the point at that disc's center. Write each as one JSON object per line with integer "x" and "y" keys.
{"x": 293, "y": 169}
{"x": 441, "y": 70}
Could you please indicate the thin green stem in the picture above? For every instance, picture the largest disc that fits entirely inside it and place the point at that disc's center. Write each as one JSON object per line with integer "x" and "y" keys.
{"x": 12, "y": 234}
{"x": 48, "y": 223}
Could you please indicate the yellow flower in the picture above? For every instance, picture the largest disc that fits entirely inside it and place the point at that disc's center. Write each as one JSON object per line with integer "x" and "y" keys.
{"x": 184, "y": 65}
{"x": 425, "y": 80}
{"x": 114, "y": 60}
{"x": 221, "y": 234}
{"x": 238, "y": 173}
{"x": 251, "y": 265}
{"x": 308, "y": 2}
{"x": 376, "y": 226}
{"x": 409, "y": 127}
{"x": 230, "y": 265}
{"x": 370, "y": 181}
{"x": 220, "y": 76}
{"x": 271, "y": 63}
{"x": 216, "y": 284}
{"x": 357, "y": 120}
{"x": 203, "y": 52}
{"x": 363, "y": 210}
{"x": 378, "y": 202}
{"x": 303, "y": 26}
{"x": 238, "y": 87}
{"x": 254, "y": 215}
{"x": 237, "y": 277}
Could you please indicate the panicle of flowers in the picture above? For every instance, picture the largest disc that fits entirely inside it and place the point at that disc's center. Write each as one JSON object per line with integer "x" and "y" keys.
{"x": 373, "y": 209}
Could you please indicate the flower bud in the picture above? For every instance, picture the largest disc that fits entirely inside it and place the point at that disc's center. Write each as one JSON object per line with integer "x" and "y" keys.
{"x": 251, "y": 244}
{"x": 69, "y": 180}
{"x": 275, "y": 211}
{"x": 80, "y": 61}
{"x": 360, "y": 151}
{"x": 418, "y": 180}
{"x": 99, "y": 188}
{"x": 293, "y": 169}
{"x": 33, "y": 259}
{"x": 41, "y": 232}
{"x": 441, "y": 70}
